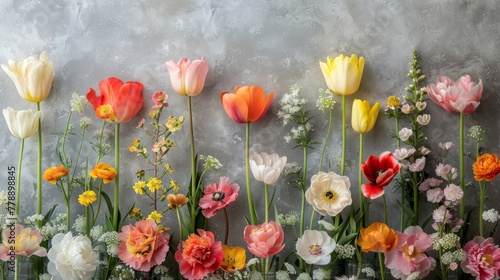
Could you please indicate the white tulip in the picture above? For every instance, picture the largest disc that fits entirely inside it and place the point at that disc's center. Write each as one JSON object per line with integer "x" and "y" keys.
{"x": 22, "y": 123}
{"x": 267, "y": 168}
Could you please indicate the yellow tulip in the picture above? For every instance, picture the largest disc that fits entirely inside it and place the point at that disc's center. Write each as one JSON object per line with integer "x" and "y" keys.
{"x": 363, "y": 117}
{"x": 32, "y": 76}
{"x": 343, "y": 74}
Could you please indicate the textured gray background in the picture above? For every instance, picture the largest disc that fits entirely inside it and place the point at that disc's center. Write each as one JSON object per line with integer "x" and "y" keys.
{"x": 273, "y": 44}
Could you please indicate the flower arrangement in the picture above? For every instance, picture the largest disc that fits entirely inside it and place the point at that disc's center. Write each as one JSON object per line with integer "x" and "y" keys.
{"x": 331, "y": 229}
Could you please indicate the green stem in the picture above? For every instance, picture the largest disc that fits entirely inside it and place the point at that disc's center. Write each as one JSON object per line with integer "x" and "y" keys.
{"x": 326, "y": 139}
{"x": 66, "y": 196}
{"x": 415, "y": 199}
{"x": 18, "y": 183}
{"x": 384, "y": 201}
{"x": 344, "y": 110}
{"x": 253, "y": 217}
{"x": 403, "y": 197}
{"x": 462, "y": 168}
{"x": 226, "y": 236}
{"x": 98, "y": 202}
{"x": 360, "y": 180}
{"x": 116, "y": 197}
{"x": 180, "y": 225}
{"x": 266, "y": 201}
{"x": 194, "y": 195}
{"x": 312, "y": 219}
{"x": 381, "y": 265}
{"x": 87, "y": 220}
{"x": 482, "y": 189}
{"x": 16, "y": 269}
{"x": 303, "y": 205}
{"x": 39, "y": 167}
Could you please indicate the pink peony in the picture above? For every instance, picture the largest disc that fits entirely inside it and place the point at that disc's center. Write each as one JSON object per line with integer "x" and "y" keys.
{"x": 461, "y": 96}
{"x": 264, "y": 240}
{"x": 27, "y": 242}
{"x": 218, "y": 196}
{"x": 199, "y": 255}
{"x": 144, "y": 245}
{"x": 483, "y": 258}
{"x": 409, "y": 255}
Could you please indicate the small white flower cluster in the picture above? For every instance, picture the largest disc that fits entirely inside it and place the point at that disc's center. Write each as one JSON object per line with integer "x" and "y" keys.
{"x": 111, "y": 240}
{"x": 328, "y": 226}
{"x": 255, "y": 275}
{"x": 122, "y": 272}
{"x": 290, "y": 268}
{"x": 96, "y": 232}
{"x": 337, "y": 161}
{"x": 370, "y": 272}
{"x": 282, "y": 275}
{"x": 85, "y": 122}
{"x": 78, "y": 102}
{"x": 304, "y": 276}
{"x": 291, "y": 103}
{"x": 289, "y": 219}
{"x": 45, "y": 276}
{"x": 476, "y": 133}
{"x": 413, "y": 276}
{"x": 320, "y": 274}
{"x": 4, "y": 199}
{"x": 80, "y": 224}
{"x": 252, "y": 261}
{"x": 106, "y": 134}
{"x": 325, "y": 101}
{"x": 345, "y": 251}
{"x": 292, "y": 168}
{"x": 491, "y": 215}
{"x": 446, "y": 242}
{"x": 298, "y": 132}
{"x": 450, "y": 257}
{"x": 210, "y": 162}
{"x": 33, "y": 219}
{"x": 53, "y": 227}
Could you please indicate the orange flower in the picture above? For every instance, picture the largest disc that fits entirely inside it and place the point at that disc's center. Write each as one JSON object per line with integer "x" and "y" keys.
{"x": 176, "y": 201}
{"x": 53, "y": 174}
{"x": 103, "y": 171}
{"x": 378, "y": 237}
{"x": 105, "y": 112}
{"x": 246, "y": 104}
{"x": 486, "y": 167}
{"x": 234, "y": 259}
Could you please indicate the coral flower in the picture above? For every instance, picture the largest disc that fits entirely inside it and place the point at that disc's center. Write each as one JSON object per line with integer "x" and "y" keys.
{"x": 234, "y": 259}
{"x": 483, "y": 258}
{"x": 125, "y": 98}
{"x": 55, "y": 173}
{"x": 343, "y": 74}
{"x": 379, "y": 171}
{"x": 329, "y": 193}
{"x": 160, "y": 99}
{"x": 377, "y": 237}
{"x": 27, "y": 242}
{"x": 246, "y": 104}
{"x": 32, "y": 76}
{"x": 363, "y": 117}
{"x": 199, "y": 255}
{"x": 143, "y": 246}
{"x": 23, "y": 123}
{"x": 218, "y": 196}
{"x": 188, "y": 77}
{"x": 486, "y": 167}
{"x": 264, "y": 240}
{"x": 267, "y": 168}
{"x": 410, "y": 254}
{"x": 87, "y": 198}
{"x": 103, "y": 171}
{"x": 461, "y": 96}
{"x": 176, "y": 201}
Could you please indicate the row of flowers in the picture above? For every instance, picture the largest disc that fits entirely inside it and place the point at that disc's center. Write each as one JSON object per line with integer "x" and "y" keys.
{"x": 343, "y": 231}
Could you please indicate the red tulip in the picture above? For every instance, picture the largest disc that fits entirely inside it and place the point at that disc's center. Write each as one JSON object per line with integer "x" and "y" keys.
{"x": 379, "y": 170}
{"x": 246, "y": 104}
{"x": 125, "y": 98}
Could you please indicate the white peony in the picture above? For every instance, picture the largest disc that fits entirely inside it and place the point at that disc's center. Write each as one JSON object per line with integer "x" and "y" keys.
{"x": 329, "y": 193}
{"x": 71, "y": 257}
{"x": 267, "y": 168}
{"x": 315, "y": 247}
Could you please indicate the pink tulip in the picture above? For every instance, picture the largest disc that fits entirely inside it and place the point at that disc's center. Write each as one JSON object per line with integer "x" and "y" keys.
{"x": 188, "y": 77}
{"x": 264, "y": 240}
{"x": 461, "y": 96}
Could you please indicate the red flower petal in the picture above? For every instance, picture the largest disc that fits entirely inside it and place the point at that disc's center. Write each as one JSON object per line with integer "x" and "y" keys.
{"x": 372, "y": 191}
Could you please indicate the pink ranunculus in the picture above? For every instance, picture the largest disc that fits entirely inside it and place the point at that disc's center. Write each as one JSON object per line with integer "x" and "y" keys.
{"x": 188, "y": 77}
{"x": 409, "y": 255}
{"x": 264, "y": 240}
{"x": 379, "y": 170}
{"x": 199, "y": 255}
{"x": 483, "y": 258}
{"x": 160, "y": 99}
{"x": 218, "y": 196}
{"x": 144, "y": 245}
{"x": 27, "y": 242}
{"x": 461, "y": 96}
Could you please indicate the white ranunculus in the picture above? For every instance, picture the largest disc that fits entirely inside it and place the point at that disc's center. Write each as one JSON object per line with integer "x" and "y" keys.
{"x": 267, "y": 168}
{"x": 32, "y": 76}
{"x": 329, "y": 193}
{"x": 315, "y": 247}
{"x": 71, "y": 257}
{"x": 22, "y": 123}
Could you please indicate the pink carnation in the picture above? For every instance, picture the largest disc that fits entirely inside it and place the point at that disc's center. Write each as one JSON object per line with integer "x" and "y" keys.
{"x": 483, "y": 258}
{"x": 27, "y": 242}
{"x": 143, "y": 246}
{"x": 264, "y": 240}
{"x": 435, "y": 195}
{"x": 218, "y": 196}
{"x": 453, "y": 192}
{"x": 409, "y": 255}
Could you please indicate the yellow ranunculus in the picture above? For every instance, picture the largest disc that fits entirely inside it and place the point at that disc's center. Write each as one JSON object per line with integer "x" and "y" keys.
{"x": 87, "y": 198}
{"x": 343, "y": 74}
{"x": 363, "y": 117}
{"x": 32, "y": 76}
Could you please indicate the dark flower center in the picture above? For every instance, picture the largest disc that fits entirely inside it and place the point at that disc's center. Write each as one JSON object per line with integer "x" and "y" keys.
{"x": 218, "y": 196}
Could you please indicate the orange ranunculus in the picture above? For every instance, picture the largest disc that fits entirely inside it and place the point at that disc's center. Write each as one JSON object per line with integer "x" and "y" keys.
{"x": 53, "y": 174}
{"x": 246, "y": 104}
{"x": 486, "y": 167}
{"x": 234, "y": 259}
{"x": 105, "y": 112}
{"x": 104, "y": 171}
{"x": 377, "y": 237}
{"x": 125, "y": 98}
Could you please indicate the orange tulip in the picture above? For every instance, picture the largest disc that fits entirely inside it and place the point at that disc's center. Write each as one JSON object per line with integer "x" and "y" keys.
{"x": 378, "y": 237}
{"x": 53, "y": 174}
{"x": 246, "y": 104}
{"x": 486, "y": 167}
{"x": 125, "y": 98}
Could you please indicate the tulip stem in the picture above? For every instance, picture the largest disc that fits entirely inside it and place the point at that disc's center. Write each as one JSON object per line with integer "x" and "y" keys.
{"x": 117, "y": 177}
{"x": 326, "y": 139}
{"x": 253, "y": 217}
{"x": 462, "y": 173}
{"x": 384, "y": 201}
{"x": 18, "y": 183}
{"x": 39, "y": 167}
{"x": 342, "y": 162}
{"x": 194, "y": 195}
{"x": 360, "y": 181}
{"x": 266, "y": 201}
